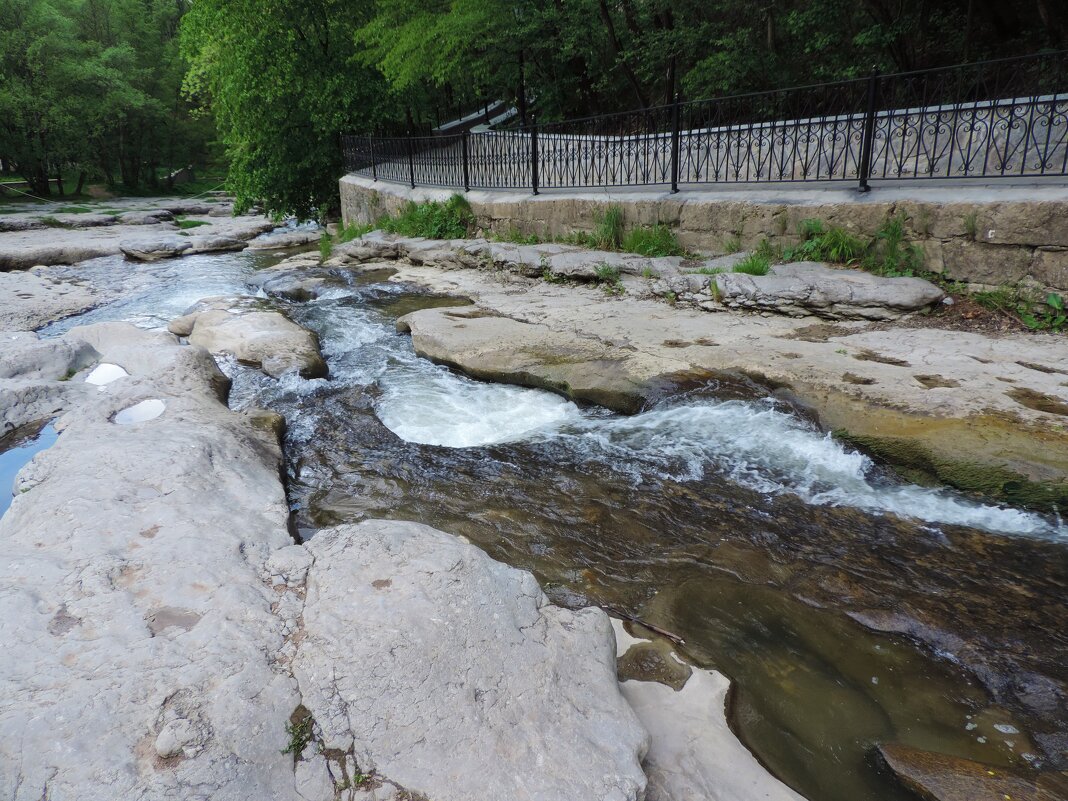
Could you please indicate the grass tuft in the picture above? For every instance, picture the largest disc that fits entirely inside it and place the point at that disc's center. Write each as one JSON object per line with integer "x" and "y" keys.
{"x": 452, "y": 219}
{"x": 653, "y": 241}
{"x": 753, "y": 264}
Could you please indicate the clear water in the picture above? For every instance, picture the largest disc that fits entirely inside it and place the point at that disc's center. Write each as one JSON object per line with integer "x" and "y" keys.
{"x": 16, "y": 450}
{"x": 733, "y": 522}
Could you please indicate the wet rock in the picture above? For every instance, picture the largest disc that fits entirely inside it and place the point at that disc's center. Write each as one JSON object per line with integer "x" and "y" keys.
{"x": 502, "y": 349}
{"x": 264, "y": 339}
{"x": 155, "y": 248}
{"x": 116, "y": 529}
{"x": 809, "y": 288}
{"x": 941, "y": 777}
{"x": 292, "y": 239}
{"x": 214, "y": 243}
{"x": 298, "y": 286}
{"x": 430, "y": 705}
{"x": 692, "y": 752}
{"x": 8, "y": 224}
{"x": 185, "y": 207}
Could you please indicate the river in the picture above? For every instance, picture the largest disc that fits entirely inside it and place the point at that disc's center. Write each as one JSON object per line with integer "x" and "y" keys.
{"x": 849, "y": 608}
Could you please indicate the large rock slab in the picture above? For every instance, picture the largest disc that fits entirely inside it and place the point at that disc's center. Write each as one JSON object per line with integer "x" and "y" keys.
{"x": 810, "y": 288}
{"x": 155, "y": 248}
{"x": 496, "y": 348}
{"x": 33, "y": 298}
{"x": 454, "y": 676}
{"x": 263, "y": 339}
{"x": 138, "y": 635}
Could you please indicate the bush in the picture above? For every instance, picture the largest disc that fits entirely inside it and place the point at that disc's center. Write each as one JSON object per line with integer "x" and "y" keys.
{"x": 326, "y": 246}
{"x": 753, "y": 264}
{"x": 452, "y": 219}
{"x": 653, "y": 241}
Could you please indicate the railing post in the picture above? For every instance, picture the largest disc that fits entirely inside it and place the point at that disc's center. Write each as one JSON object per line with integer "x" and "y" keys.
{"x": 675, "y": 135}
{"x": 371, "y": 151}
{"x": 467, "y": 171}
{"x": 411, "y": 158}
{"x": 868, "y": 137}
{"x": 534, "y": 154}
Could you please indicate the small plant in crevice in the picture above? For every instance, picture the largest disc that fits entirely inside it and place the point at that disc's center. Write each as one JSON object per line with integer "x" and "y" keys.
{"x": 971, "y": 225}
{"x": 1047, "y": 314}
{"x": 753, "y": 264}
{"x": 819, "y": 243}
{"x": 732, "y": 244}
{"x": 517, "y": 237}
{"x": 326, "y": 245}
{"x": 299, "y": 730}
{"x": 607, "y": 276}
{"x": 708, "y": 270}
{"x": 767, "y": 250}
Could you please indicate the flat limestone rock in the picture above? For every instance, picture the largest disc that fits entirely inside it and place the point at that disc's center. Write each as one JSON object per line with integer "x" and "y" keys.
{"x": 810, "y": 288}
{"x": 290, "y": 239}
{"x": 940, "y": 777}
{"x": 502, "y": 349}
{"x": 265, "y": 339}
{"x": 33, "y": 298}
{"x": 454, "y": 676}
{"x": 138, "y": 634}
{"x": 155, "y": 248}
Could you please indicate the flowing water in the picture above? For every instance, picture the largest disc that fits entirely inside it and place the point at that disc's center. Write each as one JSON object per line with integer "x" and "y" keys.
{"x": 849, "y": 609}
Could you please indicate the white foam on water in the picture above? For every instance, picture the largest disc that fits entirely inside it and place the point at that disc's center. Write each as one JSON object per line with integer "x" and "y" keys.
{"x": 105, "y": 373}
{"x": 438, "y": 407}
{"x": 140, "y": 412}
{"x": 773, "y": 452}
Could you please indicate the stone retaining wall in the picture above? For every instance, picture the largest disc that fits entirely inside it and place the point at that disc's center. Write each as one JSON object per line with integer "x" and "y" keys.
{"x": 981, "y": 242}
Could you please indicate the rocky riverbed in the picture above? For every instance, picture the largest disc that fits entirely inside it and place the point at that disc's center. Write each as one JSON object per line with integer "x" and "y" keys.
{"x": 185, "y": 644}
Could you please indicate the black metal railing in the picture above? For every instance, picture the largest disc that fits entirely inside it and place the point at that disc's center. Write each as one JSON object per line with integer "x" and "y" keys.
{"x": 985, "y": 120}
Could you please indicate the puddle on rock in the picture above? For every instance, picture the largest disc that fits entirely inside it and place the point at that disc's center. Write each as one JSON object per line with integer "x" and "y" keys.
{"x": 16, "y": 449}
{"x": 140, "y": 412}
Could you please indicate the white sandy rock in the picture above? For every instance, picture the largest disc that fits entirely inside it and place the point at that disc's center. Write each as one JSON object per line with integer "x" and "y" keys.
{"x": 452, "y": 674}
{"x": 265, "y": 339}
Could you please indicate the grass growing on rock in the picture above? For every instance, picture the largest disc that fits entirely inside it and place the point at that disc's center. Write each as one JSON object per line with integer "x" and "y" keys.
{"x": 653, "y": 241}
{"x": 353, "y": 231}
{"x": 753, "y": 264}
{"x": 186, "y": 224}
{"x": 608, "y": 278}
{"x": 452, "y": 219}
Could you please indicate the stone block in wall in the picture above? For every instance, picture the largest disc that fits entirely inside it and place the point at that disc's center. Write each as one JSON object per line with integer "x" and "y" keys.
{"x": 933, "y": 256}
{"x": 980, "y": 263}
{"x": 934, "y": 220}
{"x": 1050, "y": 267}
{"x": 1038, "y": 223}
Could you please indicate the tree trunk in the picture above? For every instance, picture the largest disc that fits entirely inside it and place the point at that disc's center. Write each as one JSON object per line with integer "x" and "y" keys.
{"x": 81, "y": 183}
{"x": 617, "y": 51}
{"x": 59, "y": 181}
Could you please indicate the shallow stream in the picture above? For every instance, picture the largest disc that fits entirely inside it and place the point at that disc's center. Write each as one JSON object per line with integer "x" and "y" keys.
{"x": 849, "y": 609}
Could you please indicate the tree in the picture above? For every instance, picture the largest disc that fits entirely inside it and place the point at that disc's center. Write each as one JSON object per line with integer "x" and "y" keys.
{"x": 282, "y": 80}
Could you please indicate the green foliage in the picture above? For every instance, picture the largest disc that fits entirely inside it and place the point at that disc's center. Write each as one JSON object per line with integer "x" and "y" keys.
{"x": 283, "y": 82}
{"x": 819, "y": 243}
{"x": 889, "y": 255}
{"x": 1045, "y": 315}
{"x": 452, "y": 219}
{"x": 186, "y": 224}
{"x": 1000, "y": 299}
{"x": 609, "y": 279}
{"x": 326, "y": 246}
{"x": 608, "y": 233}
{"x": 768, "y": 251}
{"x": 753, "y": 264}
{"x": 517, "y": 237}
{"x": 74, "y": 210}
{"x": 652, "y": 241}
{"x": 708, "y": 270}
{"x": 353, "y": 231}
{"x": 89, "y": 88}
{"x": 300, "y": 734}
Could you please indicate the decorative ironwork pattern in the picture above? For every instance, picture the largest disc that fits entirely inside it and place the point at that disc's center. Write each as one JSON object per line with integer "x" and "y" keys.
{"x": 1006, "y": 118}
